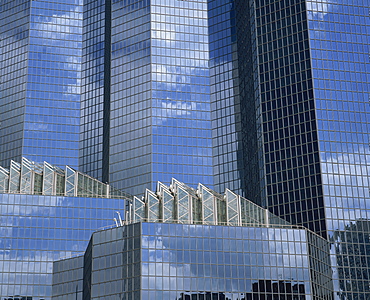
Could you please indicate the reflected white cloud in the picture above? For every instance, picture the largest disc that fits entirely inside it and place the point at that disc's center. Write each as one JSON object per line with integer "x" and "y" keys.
{"x": 60, "y": 27}
{"x": 57, "y": 31}
{"x": 318, "y": 9}
{"x": 74, "y": 63}
{"x": 168, "y": 75}
{"x": 176, "y": 108}
{"x": 275, "y": 254}
{"x": 28, "y": 208}
{"x": 35, "y": 268}
{"x": 74, "y": 88}
{"x": 347, "y": 169}
{"x": 37, "y": 206}
{"x": 165, "y": 36}
{"x": 316, "y": 13}
{"x": 173, "y": 109}
{"x": 346, "y": 186}
{"x": 38, "y": 126}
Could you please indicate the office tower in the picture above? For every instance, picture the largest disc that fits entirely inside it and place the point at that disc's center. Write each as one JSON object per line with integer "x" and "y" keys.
{"x": 47, "y": 213}
{"x": 228, "y": 155}
{"x": 303, "y": 72}
{"x": 146, "y": 97}
{"x": 241, "y": 251}
{"x": 288, "y": 96}
{"x": 40, "y": 57}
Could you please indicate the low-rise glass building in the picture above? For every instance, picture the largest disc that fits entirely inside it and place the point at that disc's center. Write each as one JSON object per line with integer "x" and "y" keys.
{"x": 249, "y": 255}
{"x": 47, "y": 213}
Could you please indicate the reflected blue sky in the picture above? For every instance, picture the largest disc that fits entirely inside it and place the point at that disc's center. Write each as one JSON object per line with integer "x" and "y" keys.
{"x": 160, "y": 116}
{"x": 339, "y": 32}
{"x": 339, "y": 43}
{"x": 181, "y": 99}
{"x": 53, "y": 86}
{"x": 196, "y": 258}
{"x": 36, "y": 230}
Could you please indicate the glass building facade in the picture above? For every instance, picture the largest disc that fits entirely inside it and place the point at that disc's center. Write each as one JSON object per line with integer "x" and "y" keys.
{"x": 95, "y": 88}
{"x": 339, "y": 39}
{"x": 228, "y": 248}
{"x": 303, "y": 78}
{"x": 228, "y": 168}
{"x": 275, "y": 92}
{"x": 178, "y": 261}
{"x": 46, "y": 214}
{"x": 147, "y": 112}
{"x": 40, "y": 48}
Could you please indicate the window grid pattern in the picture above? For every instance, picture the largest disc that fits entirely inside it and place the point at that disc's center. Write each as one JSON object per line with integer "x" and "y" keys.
{"x": 177, "y": 261}
{"x": 72, "y": 270}
{"x": 52, "y": 108}
{"x": 41, "y": 56}
{"x": 339, "y": 40}
{"x": 181, "y": 133}
{"x": 185, "y": 261}
{"x": 160, "y": 113}
{"x": 14, "y": 35}
{"x": 251, "y": 156}
{"x": 290, "y": 141}
{"x": 92, "y": 88}
{"x": 225, "y": 102}
{"x": 130, "y": 111}
{"x": 37, "y": 230}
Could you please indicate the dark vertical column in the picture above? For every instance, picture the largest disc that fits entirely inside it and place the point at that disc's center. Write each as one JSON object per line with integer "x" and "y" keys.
{"x": 250, "y": 154}
{"x": 287, "y": 140}
{"x": 87, "y": 268}
{"x": 228, "y": 163}
{"x": 106, "y": 104}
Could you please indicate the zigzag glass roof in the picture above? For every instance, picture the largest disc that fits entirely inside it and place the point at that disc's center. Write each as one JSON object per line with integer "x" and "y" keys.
{"x": 33, "y": 178}
{"x": 179, "y": 203}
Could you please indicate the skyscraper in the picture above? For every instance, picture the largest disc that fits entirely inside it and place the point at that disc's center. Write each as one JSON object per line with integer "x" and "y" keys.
{"x": 146, "y": 97}
{"x": 284, "y": 83}
{"x": 40, "y": 63}
{"x": 302, "y": 82}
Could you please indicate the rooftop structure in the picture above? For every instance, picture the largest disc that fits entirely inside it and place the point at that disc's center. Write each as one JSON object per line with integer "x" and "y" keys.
{"x": 179, "y": 203}
{"x": 47, "y": 213}
{"x": 184, "y": 243}
{"x": 33, "y": 178}
{"x": 146, "y": 113}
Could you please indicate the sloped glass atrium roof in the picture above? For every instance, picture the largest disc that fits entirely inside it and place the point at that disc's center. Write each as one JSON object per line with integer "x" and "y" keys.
{"x": 33, "y": 178}
{"x": 179, "y": 203}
